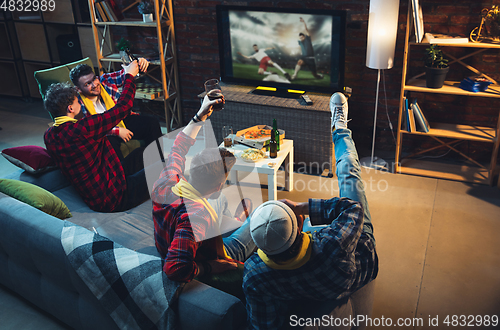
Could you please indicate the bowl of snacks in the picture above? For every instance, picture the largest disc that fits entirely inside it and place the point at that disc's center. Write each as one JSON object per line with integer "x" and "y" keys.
{"x": 252, "y": 155}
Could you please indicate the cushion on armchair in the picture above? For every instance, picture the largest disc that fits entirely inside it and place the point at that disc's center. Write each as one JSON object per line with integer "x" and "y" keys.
{"x": 57, "y": 74}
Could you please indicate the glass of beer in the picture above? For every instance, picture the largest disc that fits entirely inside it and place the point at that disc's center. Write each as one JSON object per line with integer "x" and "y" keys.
{"x": 227, "y": 135}
{"x": 213, "y": 90}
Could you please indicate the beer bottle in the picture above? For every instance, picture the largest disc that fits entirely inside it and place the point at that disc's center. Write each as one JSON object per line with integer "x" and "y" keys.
{"x": 132, "y": 58}
{"x": 275, "y": 129}
{"x": 273, "y": 145}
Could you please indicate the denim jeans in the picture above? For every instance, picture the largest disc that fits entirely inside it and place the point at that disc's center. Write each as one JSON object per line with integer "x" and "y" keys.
{"x": 239, "y": 245}
{"x": 348, "y": 172}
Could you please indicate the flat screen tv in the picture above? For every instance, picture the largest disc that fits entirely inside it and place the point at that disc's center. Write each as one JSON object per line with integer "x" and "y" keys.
{"x": 284, "y": 48}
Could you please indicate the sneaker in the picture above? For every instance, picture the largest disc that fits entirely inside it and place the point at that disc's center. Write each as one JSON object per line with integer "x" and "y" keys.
{"x": 287, "y": 76}
{"x": 339, "y": 109}
{"x": 294, "y": 76}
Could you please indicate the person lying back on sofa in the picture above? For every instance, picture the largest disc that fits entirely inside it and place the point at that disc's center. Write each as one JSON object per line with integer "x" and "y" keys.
{"x": 82, "y": 151}
{"x": 99, "y": 94}
{"x": 292, "y": 266}
{"x": 187, "y": 212}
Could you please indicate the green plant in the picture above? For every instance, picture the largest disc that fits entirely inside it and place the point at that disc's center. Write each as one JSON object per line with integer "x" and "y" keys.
{"x": 145, "y": 7}
{"x": 123, "y": 44}
{"x": 434, "y": 57}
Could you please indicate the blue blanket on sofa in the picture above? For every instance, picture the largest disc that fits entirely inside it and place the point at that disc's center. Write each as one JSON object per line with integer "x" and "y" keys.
{"x": 131, "y": 286}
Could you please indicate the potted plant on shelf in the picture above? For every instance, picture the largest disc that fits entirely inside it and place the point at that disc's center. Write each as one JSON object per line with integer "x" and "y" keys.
{"x": 146, "y": 9}
{"x": 436, "y": 67}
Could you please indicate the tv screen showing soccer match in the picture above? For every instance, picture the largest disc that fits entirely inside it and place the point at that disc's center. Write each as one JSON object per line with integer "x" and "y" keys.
{"x": 282, "y": 47}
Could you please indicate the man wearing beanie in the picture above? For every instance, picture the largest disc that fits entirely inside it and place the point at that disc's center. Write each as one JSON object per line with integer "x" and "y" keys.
{"x": 188, "y": 212}
{"x": 328, "y": 264}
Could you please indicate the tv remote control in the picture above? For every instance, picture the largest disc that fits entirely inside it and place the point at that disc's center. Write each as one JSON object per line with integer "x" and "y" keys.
{"x": 306, "y": 99}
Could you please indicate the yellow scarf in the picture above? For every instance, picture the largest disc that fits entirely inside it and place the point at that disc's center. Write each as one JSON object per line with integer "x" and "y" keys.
{"x": 298, "y": 261}
{"x": 63, "y": 119}
{"x": 108, "y": 102}
{"x": 184, "y": 189}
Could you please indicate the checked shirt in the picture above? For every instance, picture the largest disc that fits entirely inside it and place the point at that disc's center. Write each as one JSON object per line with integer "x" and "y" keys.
{"x": 111, "y": 83}
{"x": 174, "y": 232}
{"x": 343, "y": 260}
{"x": 87, "y": 159}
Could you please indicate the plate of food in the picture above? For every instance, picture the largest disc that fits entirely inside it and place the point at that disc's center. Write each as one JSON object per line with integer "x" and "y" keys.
{"x": 258, "y": 134}
{"x": 252, "y": 155}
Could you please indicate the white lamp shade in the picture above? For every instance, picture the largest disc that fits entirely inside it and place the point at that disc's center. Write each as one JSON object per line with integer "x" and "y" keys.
{"x": 382, "y": 33}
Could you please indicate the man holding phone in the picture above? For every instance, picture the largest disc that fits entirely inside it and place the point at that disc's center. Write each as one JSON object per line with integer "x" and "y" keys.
{"x": 331, "y": 263}
{"x": 98, "y": 94}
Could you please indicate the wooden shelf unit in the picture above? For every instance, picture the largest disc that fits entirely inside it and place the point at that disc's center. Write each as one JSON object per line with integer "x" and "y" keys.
{"x": 166, "y": 62}
{"x": 471, "y": 171}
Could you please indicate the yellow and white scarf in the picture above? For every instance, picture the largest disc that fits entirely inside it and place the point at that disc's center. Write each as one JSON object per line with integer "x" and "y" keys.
{"x": 184, "y": 189}
{"x": 108, "y": 103}
{"x": 298, "y": 261}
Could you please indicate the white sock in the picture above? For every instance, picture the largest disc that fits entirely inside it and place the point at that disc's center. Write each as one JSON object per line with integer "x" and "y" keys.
{"x": 297, "y": 69}
{"x": 279, "y": 68}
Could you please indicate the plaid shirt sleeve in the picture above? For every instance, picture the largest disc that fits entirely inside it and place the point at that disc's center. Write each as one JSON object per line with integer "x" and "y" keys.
{"x": 100, "y": 125}
{"x": 179, "y": 254}
{"x": 346, "y": 217}
{"x": 112, "y": 83}
{"x": 174, "y": 169}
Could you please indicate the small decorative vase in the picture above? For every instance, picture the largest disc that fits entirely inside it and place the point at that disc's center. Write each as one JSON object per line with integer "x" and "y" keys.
{"x": 147, "y": 18}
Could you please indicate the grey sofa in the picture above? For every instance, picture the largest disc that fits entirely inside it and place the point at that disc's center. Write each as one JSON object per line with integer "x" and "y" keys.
{"x": 34, "y": 264}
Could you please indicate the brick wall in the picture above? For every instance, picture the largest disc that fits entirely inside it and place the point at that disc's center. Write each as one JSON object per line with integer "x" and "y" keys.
{"x": 196, "y": 37}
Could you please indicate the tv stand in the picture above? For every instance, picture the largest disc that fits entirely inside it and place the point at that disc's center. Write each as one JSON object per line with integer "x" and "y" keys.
{"x": 278, "y": 92}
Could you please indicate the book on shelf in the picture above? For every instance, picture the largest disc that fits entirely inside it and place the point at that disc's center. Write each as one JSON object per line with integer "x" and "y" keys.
{"x": 100, "y": 12}
{"x": 418, "y": 20}
{"x": 411, "y": 120}
{"x": 421, "y": 114}
{"x": 116, "y": 10}
{"x": 419, "y": 119}
{"x": 404, "y": 116}
{"x": 438, "y": 38}
{"x": 109, "y": 11}
{"x": 407, "y": 114}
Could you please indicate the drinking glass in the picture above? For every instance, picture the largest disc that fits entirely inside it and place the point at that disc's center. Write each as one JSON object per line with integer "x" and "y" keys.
{"x": 213, "y": 90}
{"x": 227, "y": 135}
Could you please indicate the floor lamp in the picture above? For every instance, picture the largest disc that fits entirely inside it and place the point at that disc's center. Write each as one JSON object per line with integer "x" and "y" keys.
{"x": 382, "y": 32}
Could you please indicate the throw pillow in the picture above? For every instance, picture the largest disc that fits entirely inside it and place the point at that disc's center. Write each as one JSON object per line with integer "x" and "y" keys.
{"x": 36, "y": 197}
{"x": 33, "y": 159}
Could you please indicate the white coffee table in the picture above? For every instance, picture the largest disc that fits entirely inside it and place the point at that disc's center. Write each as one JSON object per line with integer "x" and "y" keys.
{"x": 285, "y": 156}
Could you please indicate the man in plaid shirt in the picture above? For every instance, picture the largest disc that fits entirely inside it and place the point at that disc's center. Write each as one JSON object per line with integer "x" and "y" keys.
{"x": 187, "y": 212}
{"x": 99, "y": 94}
{"x": 83, "y": 153}
{"x": 292, "y": 266}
